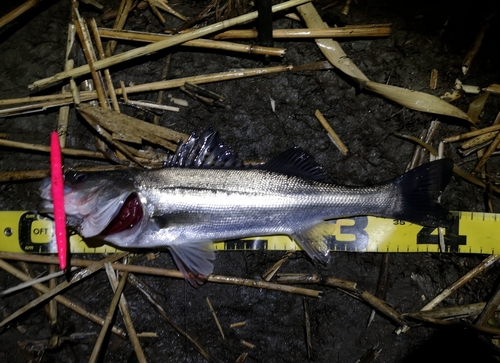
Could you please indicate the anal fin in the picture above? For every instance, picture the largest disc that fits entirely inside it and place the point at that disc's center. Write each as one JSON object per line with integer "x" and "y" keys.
{"x": 313, "y": 240}
{"x": 194, "y": 260}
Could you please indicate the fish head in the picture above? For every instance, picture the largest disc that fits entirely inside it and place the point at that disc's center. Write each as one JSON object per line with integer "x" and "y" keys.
{"x": 104, "y": 204}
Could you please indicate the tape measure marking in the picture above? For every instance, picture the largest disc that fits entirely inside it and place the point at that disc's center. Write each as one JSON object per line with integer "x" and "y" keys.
{"x": 470, "y": 232}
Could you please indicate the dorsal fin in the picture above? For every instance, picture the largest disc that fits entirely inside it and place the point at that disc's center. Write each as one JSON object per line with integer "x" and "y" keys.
{"x": 295, "y": 161}
{"x": 204, "y": 151}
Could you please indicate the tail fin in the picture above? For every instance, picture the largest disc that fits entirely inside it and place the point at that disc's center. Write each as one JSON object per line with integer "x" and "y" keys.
{"x": 420, "y": 189}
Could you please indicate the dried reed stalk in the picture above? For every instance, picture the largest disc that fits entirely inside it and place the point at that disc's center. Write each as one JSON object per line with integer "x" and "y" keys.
{"x": 18, "y": 11}
{"x": 215, "y": 318}
{"x": 169, "y": 273}
{"x": 53, "y": 303}
{"x": 109, "y": 318}
{"x": 120, "y": 20}
{"x": 490, "y": 308}
{"x": 333, "y": 135}
{"x": 268, "y": 275}
{"x": 107, "y": 74}
{"x": 199, "y": 43}
{"x": 127, "y": 318}
{"x": 308, "y": 33}
{"x": 154, "y": 298}
{"x": 449, "y": 312}
{"x": 59, "y": 288}
{"x": 46, "y": 149}
{"x": 43, "y": 102}
{"x": 434, "y": 79}
{"x": 34, "y": 281}
{"x": 474, "y": 133}
{"x": 154, "y": 47}
{"x": 349, "y": 287}
{"x": 490, "y": 260}
{"x": 471, "y": 54}
{"x": 63, "y": 118}
{"x": 88, "y": 50}
{"x": 59, "y": 298}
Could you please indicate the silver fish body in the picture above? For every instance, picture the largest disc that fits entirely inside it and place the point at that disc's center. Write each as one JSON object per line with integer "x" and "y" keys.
{"x": 186, "y": 209}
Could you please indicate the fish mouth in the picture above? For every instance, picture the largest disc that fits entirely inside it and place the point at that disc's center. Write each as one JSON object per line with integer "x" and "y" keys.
{"x": 128, "y": 216}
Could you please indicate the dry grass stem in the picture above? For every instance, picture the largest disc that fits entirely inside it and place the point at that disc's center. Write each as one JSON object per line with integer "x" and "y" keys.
{"x": 162, "y": 4}
{"x": 307, "y": 323}
{"x": 155, "y": 299}
{"x": 109, "y": 317}
{"x": 39, "y": 103}
{"x": 247, "y": 344}
{"x": 39, "y": 174}
{"x": 199, "y": 43}
{"x": 65, "y": 151}
{"x": 53, "y": 303}
{"x": 147, "y": 335}
{"x": 450, "y": 312}
{"x": 479, "y": 140}
{"x": 17, "y": 12}
{"x": 146, "y": 104}
{"x": 350, "y": 288}
{"x": 474, "y": 133}
{"x": 479, "y": 328}
{"x": 434, "y": 79}
{"x": 316, "y": 279}
{"x": 490, "y": 308}
{"x": 268, "y": 275}
{"x": 471, "y": 54}
{"x": 215, "y": 318}
{"x": 154, "y": 47}
{"x": 346, "y": 8}
{"x": 34, "y": 281}
{"x": 80, "y": 275}
{"x": 486, "y": 263}
{"x": 308, "y": 33}
{"x": 88, "y": 50}
{"x": 493, "y": 88}
{"x": 334, "y": 137}
{"x": 171, "y": 273}
{"x": 69, "y": 63}
{"x": 243, "y": 357}
{"x": 59, "y": 298}
{"x": 127, "y": 318}
{"x": 7, "y": 176}
{"x": 120, "y": 20}
{"x": 107, "y": 74}
{"x": 156, "y": 12}
{"x": 238, "y": 325}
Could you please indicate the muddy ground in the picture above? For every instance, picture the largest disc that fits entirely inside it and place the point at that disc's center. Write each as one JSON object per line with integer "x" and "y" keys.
{"x": 425, "y": 35}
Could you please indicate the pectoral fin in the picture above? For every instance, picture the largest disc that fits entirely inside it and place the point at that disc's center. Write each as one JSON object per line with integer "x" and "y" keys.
{"x": 314, "y": 242}
{"x": 194, "y": 260}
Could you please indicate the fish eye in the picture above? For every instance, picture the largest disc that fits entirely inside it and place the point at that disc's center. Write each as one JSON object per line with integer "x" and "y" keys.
{"x": 79, "y": 177}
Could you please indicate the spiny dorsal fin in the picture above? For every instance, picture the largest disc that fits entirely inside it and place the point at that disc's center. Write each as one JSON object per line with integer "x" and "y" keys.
{"x": 295, "y": 161}
{"x": 204, "y": 151}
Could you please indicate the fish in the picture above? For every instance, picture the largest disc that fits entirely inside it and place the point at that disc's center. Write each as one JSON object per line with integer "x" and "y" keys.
{"x": 204, "y": 193}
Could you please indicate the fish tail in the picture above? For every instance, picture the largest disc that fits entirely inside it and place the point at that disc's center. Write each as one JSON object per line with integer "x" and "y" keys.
{"x": 419, "y": 190}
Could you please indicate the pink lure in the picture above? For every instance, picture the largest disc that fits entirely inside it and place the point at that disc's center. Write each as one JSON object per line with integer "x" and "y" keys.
{"x": 58, "y": 198}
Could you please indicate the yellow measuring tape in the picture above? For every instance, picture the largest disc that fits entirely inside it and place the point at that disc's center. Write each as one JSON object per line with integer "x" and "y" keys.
{"x": 471, "y": 232}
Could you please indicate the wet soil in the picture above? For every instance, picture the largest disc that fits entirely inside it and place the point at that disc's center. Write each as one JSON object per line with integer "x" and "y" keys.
{"x": 425, "y": 35}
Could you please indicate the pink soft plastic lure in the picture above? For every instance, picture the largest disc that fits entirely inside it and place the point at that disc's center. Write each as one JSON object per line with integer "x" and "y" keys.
{"x": 58, "y": 198}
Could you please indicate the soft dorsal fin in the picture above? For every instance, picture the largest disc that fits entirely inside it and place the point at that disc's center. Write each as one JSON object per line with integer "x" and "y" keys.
{"x": 295, "y": 161}
{"x": 204, "y": 151}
